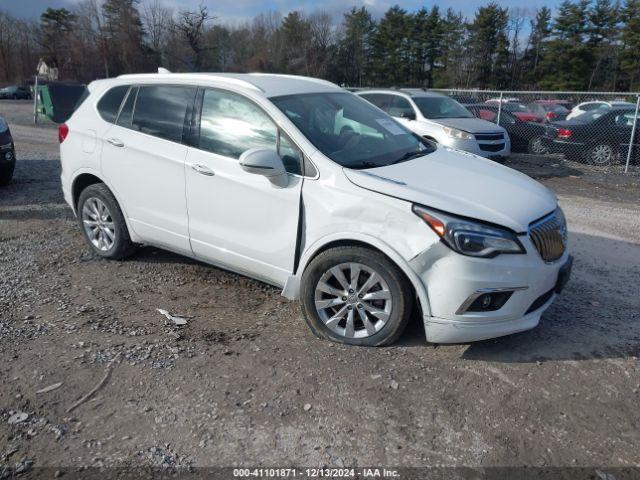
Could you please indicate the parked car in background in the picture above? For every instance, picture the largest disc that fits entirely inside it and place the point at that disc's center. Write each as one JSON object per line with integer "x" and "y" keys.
{"x": 598, "y": 137}
{"x": 15, "y": 93}
{"x": 462, "y": 98}
{"x": 549, "y": 110}
{"x": 260, "y": 175}
{"x": 7, "y": 153}
{"x": 519, "y": 109}
{"x": 526, "y": 137}
{"x": 595, "y": 105}
{"x": 439, "y": 118}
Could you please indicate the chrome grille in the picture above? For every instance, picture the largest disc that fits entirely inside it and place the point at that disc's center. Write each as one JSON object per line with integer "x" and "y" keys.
{"x": 549, "y": 236}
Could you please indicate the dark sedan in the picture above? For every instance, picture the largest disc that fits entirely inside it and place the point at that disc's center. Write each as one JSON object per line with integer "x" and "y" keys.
{"x": 597, "y": 137}
{"x": 526, "y": 137}
{"x": 15, "y": 93}
{"x": 7, "y": 153}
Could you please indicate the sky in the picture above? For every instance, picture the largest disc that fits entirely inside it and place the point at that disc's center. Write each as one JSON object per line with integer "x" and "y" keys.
{"x": 234, "y": 11}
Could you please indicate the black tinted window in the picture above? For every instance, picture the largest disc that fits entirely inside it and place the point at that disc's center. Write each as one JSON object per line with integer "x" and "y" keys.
{"x": 109, "y": 104}
{"x": 231, "y": 124}
{"x": 160, "y": 110}
{"x": 126, "y": 113}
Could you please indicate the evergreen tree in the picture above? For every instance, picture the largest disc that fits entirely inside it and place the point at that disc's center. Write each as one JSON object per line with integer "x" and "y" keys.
{"x": 427, "y": 45}
{"x": 567, "y": 64}
{"x": 125, "y": 35}
{"x": 453, "y": 61}
{"x": 56, "y": 25}
{"x": 354, "y": 48}
{"x": 391, "y": 52}
{"x": 630, "y": 55}
{"x": 490, "y": 47}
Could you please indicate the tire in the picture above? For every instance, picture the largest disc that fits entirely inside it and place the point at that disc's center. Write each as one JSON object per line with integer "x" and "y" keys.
{"x": 537, "y": 147}
{"x": 601, "y": 155}
{"x": 106, "y": 233}
{"x": 387, "y": 313}
{"x": 6, "y": 173}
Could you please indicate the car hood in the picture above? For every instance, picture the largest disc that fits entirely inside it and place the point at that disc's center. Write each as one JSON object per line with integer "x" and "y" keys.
{"x": 463, "y": 184}
{"x": 471, "y": 125}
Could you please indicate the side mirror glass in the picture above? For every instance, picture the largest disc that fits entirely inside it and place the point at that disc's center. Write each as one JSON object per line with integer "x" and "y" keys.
{"x": 265, "y": 162}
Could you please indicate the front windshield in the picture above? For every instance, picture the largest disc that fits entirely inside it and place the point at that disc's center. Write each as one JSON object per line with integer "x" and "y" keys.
{"x": 351, "y": 131}
{"x": 441, "y": 107}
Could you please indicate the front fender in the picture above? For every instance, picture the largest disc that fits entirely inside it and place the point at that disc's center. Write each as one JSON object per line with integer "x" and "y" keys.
{"x": 291, "y": 288}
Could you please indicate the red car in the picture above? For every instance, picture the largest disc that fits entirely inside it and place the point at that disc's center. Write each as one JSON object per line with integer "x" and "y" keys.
{"x": 551, "y": 110}
{"x": 520, "y": 110}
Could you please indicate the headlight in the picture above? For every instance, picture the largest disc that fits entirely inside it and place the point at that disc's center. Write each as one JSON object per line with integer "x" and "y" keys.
{"x": 468, "y": 237}
{"x": 459, "y": 134}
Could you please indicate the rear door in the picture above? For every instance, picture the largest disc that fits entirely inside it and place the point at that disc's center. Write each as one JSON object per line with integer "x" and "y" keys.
{"x": 143, "y": 158}
{"x": 237, "y": 219}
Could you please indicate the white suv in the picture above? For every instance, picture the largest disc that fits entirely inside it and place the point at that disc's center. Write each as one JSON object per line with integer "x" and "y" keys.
{"x": 437, "y": 117}
{"x": 305, "y": 186}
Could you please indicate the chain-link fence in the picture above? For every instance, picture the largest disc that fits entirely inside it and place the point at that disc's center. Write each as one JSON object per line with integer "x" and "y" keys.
{"x": 594, "y": 128}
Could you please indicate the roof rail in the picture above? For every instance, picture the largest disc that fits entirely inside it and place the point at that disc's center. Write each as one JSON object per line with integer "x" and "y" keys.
{"x": 187, "y": 76}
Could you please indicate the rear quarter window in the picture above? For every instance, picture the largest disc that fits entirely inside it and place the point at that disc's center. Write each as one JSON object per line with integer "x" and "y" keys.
{"x": 109, "y": 104}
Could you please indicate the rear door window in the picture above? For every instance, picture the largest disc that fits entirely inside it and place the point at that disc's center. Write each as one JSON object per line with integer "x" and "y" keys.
{"x": 109, "y": 104}
{"x": 160, "y": 110}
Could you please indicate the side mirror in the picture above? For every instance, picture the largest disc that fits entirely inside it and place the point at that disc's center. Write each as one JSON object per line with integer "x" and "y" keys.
{"x": 408, "y": 115}
{"x": 265, "y": 162}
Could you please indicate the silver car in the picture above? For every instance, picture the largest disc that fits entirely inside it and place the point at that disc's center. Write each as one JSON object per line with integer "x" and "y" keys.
{"x": 440, "y": 118}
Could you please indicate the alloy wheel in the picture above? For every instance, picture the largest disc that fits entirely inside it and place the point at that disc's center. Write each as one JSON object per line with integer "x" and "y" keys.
{"x": 601, "y": 154}
{"x": 98, "y": 224}
{"x": 538, "y": 147}
{"x": 353, "y": 300}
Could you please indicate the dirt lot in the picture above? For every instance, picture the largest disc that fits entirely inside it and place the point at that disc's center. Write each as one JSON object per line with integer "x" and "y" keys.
{"x": 245, "y": 382}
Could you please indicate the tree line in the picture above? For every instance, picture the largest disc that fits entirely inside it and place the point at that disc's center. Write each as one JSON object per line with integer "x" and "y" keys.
{"x": 582, "y": 45}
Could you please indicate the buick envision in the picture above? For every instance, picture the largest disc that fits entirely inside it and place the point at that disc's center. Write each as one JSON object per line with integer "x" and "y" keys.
{"x": 298, "y": 183}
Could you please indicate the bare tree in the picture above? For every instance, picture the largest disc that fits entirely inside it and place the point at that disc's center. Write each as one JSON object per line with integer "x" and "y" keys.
{"x": 157, "y": 20}
{"x": 192, "y": 25}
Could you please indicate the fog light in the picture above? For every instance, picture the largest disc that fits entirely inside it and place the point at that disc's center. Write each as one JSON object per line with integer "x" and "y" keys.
{"x": 487, "y": 300}
{"x": 8, "y": 156}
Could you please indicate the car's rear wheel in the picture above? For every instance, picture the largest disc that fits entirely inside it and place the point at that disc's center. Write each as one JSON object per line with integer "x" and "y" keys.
{"x": 356, "y": 296}
{"x": 103, "y": 224}
{"x": 537, "y": 146}
{"x": 601, "y": 155}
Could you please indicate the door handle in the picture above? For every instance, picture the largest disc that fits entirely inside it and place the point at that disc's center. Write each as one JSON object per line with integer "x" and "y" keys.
{"x": 115, "y": 142}
{"x": 201, "y": 169}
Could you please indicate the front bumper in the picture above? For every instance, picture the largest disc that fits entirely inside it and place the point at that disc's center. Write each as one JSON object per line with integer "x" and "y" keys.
{"x": 486, "y": 149}
{"x": 450, "y": 279}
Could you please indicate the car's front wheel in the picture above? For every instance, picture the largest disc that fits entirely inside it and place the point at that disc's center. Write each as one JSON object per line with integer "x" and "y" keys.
{"x": 356, "y": 296}
{"x": 103, "y": 224}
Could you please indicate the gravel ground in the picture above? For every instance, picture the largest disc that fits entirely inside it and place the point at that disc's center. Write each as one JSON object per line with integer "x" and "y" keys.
{"x": 245, "y": 383}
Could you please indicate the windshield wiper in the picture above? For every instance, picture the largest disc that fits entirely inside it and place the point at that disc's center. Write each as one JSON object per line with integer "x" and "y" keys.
{"x": 410, "y": 155}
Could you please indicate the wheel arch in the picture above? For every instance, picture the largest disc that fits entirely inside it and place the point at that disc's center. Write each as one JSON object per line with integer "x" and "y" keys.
{"x": 291, "y": 288}
{"x": 85, "y": 179}
{"x": 81, "y": 182}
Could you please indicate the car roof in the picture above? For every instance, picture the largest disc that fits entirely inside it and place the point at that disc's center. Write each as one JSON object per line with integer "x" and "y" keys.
{"x": 271, "y": 85}
{"x": 409, "y": 92}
